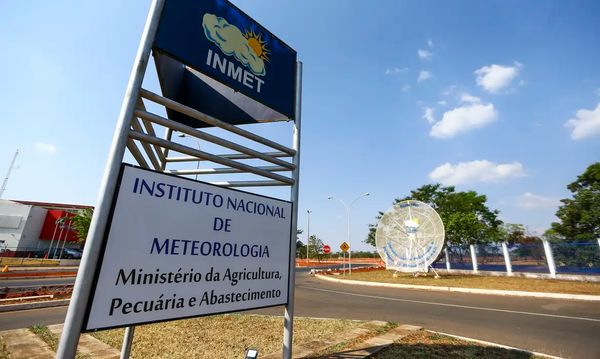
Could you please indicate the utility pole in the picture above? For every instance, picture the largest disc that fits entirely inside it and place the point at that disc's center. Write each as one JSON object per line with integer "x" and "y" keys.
{"x": 12, "y": 166}
{"x": 308, "y": 212}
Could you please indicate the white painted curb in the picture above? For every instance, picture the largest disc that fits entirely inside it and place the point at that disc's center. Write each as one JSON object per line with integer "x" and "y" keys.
{"x": 34, "y": 305}
{"x": 515, "y": 293}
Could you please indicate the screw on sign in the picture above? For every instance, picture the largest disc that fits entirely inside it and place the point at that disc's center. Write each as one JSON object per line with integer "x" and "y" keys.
{"x": 344, "y": 247}
{"x": 326, "y": 249}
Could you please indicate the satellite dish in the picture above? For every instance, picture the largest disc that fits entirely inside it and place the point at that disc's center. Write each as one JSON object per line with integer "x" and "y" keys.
{"x": 410, "y": 236}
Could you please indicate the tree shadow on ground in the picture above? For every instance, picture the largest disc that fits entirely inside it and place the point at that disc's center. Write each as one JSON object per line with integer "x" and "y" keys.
{"x": 433, "y": 351}
{"x": 399, "y": 350}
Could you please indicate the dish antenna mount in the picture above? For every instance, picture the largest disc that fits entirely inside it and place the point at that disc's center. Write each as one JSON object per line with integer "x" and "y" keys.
{"x": 410, "y": 237}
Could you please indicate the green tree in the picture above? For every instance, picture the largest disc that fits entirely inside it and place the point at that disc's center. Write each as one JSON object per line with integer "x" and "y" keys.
{"x": 300, "y": 249}
{"x": 466, "y": 216}
{"x": 512, "y": 233}
{"x": 315, "y": 247}
{"x": 81, "y": 223}
{"x": 579, "y": 217}
{"x": 574, "y": 236}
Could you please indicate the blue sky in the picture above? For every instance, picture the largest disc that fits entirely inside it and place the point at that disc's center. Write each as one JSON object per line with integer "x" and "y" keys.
{"x": 498, "y": 97}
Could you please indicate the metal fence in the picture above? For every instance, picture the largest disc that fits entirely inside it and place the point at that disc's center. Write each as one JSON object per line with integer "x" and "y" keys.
{"x": 576, "y": 257}
{"x": 530, "y": 257}
{"x": 537, "y": 257}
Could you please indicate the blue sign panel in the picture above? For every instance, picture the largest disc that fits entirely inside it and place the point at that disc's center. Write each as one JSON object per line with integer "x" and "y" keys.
{"x": 217, "y": 39}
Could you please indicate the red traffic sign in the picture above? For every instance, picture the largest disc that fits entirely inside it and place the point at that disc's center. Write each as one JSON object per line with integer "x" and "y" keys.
{"x": 326, "y": 249}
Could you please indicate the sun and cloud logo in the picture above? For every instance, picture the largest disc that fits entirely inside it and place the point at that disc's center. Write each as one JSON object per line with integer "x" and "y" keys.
{"x": 248, "y": 47}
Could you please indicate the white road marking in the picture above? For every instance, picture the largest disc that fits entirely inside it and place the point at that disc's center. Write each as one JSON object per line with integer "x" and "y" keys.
{"x": 454, "y": 305}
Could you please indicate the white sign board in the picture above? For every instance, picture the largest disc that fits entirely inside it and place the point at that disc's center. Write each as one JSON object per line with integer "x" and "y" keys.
{"x": 177, "y": 248}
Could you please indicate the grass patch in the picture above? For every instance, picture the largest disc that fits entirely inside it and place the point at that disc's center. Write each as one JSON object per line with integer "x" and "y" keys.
{"x": 423, "y": 344}
{"x": 3, "y": 351}
{"x": 222, "y": 336}
{"x": 51, "y": 339}
{"x": 27, "y": 262}
{"x": 482, "y": 282}
{"x": 46, "y": 335}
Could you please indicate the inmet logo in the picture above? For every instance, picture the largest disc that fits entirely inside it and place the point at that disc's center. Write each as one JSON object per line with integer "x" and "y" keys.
{"x": 247, "y": 48}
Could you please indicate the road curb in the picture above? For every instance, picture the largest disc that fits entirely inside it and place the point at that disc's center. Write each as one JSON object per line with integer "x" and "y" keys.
{"x": 514, "y": 293}
{"x": 38, "y": 277}
{"x": 34, "y": 305}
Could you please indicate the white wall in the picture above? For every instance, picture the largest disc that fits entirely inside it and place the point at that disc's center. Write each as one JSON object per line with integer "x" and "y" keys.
{"x": 30, "y": 237}
{"x": 11, "y": 228}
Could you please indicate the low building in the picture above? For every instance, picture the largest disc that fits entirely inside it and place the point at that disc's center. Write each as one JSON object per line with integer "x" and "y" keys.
{"x": 36, "y": 228}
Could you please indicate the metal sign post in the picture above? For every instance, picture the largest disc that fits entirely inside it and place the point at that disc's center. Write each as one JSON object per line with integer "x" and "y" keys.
{"x": 288, "y": 332}
{"x": 344, "y": 247}
{"x": 276, "y": 79}
{"x": 79, "y": 299}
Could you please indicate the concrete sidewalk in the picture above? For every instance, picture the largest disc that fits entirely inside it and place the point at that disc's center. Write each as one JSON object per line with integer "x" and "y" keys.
{"x": 22, "y": 343}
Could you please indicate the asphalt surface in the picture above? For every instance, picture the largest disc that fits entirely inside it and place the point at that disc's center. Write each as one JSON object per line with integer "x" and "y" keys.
{"x": 557, "y": 327}
{"x": 33, "y": 282}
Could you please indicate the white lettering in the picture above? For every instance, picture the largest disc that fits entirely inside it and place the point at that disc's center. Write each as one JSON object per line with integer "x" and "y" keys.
{"x": 259, "y": 83}
{"x": 232, "y": 70}
{"x": 208, "y": 57}
{"x": 248, "y": 79}
{"x": 217, "y": 62}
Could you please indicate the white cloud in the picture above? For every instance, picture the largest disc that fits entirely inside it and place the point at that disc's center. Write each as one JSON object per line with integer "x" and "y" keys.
{"x": 597, "y": 92}
{"x": 430, "y": 43}
{"x": 464, "y": 119}
{"x": 494, "y": 78}
{"x": 466, "y": 98}
{"x": 530, "y": 200}
{"x": 405, "y": 88}
{"x": 232, "y": 42}
{"x": 442, "y": 102}
{"x": 428, "y": 115}
{"x": 476, "y": 171}
{"x": 585, "y": 124}
{"x": 46, "y": 148}
{"x": 395, "y": 70}
{"x": 424, "y": 54}
{"x": 424, "y": 75}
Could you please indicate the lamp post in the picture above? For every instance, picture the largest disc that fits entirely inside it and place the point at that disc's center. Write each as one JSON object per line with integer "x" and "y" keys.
{"x": 348, "y": 211}
{"x": 182, "y": 135}
{"x": 308, "y": 212}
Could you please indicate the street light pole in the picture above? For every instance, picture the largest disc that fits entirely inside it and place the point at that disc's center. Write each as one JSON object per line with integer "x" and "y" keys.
{"x": 197, "y": 162}
{"x": 348, "y": 212}
{"x": 308, "y": 212}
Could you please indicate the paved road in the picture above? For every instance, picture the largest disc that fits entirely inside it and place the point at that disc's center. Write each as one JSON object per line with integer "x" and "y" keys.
{"x": 11, "y": 283}
{"x": 558, "y": 327}
{"x": 32, "y": 282}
